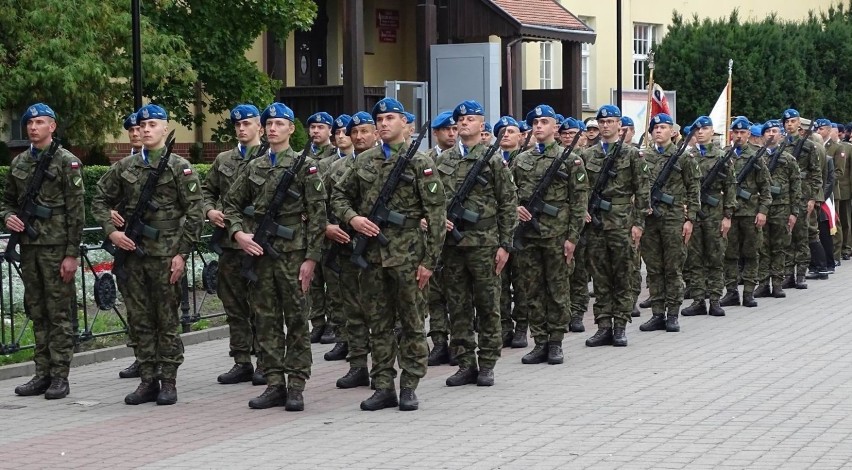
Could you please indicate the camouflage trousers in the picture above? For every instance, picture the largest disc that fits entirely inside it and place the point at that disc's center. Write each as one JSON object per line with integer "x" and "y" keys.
{"x": 232, "y": 289}
{"x": 47, "y": 301}
{"x": 355, "y": 329}
{"x": 469, "y": 279}
{"x": 704, "y": 270}
{"x": 439, "y": 319}
{"x": 664, "y": 253}
{"x": 744, "y": 240}
{"x": 579, "y": 283}
{"x": 152, "y": 305}
{"x": 773, "y": 250}
{"x": 611, "y": 259}
{"x": 798, "y": 254}
{"x": 542, "y": 288}
{"x": 277, "y": 301}
{"x": 325, "y": 305}
{"x": 390, "y": 295}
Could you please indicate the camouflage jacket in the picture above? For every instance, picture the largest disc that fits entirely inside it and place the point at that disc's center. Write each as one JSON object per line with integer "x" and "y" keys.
{"x": 629, "y": 184}
{"x": 684, "y": 184}
{"x": 336, "y": 172}
{"x": 785, "y": 182}
{"x": 306, "y": 215}
{"x": 757, "y": 184}
{"x": 570, "y": 195}
{"x": 496, "y": 203}
{"x": 325, "y": 156}
{"x": 724, "y": 188}
{"x": 810, "y": 167}
{"x": 178, "y": 195}
{"x": 424, "y": 197}
{"x": 64, "y": 195}
{"x": 223, "y": 172}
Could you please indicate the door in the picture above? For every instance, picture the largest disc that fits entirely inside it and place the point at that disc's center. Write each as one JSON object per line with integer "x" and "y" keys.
{"x": 414, "y": 97}
{"x": 466, "y": 72}
{"x": 312, "y": 50}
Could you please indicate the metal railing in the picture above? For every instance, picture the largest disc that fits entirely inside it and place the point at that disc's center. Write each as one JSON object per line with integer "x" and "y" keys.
{"x": 12, "y": 331}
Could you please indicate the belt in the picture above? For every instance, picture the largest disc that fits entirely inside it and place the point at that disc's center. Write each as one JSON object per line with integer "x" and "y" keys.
{"x": 285, "y": 221}
{"x": 57, "y": 211}
{"x": 488, "y": 222}
{"x": 165, "y": 224}
{"x": 621, "y": 200}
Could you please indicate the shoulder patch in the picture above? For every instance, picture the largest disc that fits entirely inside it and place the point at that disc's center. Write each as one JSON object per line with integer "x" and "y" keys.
{"x": 581, "y": 176}
{"x": 187, "y": 171}
{"x": 192, "y": 186}
{"x": 75, "y": 165}
{"x": 312, "y": 170}
{"x": 433, "y": 187}
{"x": 427, "y": 172}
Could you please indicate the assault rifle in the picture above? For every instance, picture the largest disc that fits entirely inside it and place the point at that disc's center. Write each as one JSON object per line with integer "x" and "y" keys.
{"x": 657, "y": 194}
{"x": 746, "y": 170}
{"x": 526, "y": 143}
{"x": 597, "y": 203}
{"x": 708, "y": 180}
{"x": 773, "y": 165}
{"x": 30, "y": 210}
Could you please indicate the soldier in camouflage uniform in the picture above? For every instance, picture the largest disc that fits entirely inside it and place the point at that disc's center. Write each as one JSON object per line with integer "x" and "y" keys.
{"x": 611, "y": 250}
{"x": 392, "y": 286}
{"x": 323, "y": 317}
{"x": 472, "y": 270}
{"x": 152, "y": 291}
{"x": 543, "y": 264}
{"x": 48, "y": 291}
{"x": 279, "y": 296}
{"x": 629, "y": 129}
{"x": 667, "y": 231}
{"x": 232, "y": 288}
{"x": 704, "y": 270}
{"x": 786, "y": 190}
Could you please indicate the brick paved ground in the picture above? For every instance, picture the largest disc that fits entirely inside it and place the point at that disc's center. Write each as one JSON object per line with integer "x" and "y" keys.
{"x": 769, "y": 387}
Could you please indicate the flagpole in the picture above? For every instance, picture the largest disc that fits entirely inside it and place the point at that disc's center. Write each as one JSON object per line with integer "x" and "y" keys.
{"x": 650, "y": 93}
{"x": 728, "y": 112}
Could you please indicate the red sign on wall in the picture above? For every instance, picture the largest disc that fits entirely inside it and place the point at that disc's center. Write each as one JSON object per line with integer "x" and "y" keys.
{"x": 387, "y": 35}
{"x": 387, "y": 19}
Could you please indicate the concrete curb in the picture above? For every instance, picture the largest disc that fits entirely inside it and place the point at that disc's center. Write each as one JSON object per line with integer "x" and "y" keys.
{"x": 115, "y": 352}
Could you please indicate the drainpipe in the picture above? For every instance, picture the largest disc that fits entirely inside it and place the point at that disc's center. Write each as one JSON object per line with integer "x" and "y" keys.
{"x": 509, "y": 93}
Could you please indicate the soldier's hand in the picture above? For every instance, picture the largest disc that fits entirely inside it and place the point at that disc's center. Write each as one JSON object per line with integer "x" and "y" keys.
{"x": 760, "y": 220}
{"x": 178, "y": 265}
{"x": 450, "y": 226}
{"x": 523, "y": 214}
{"x": 217, "y": 218}
{"x": 725, "y": 227}
{"x": 14, "y": 224}
{"x": 122, "y": 241}
{"x": 423, "y": 276}
{"x": 67, "y": 268}
{"x": 686, "y": 233}
{"x": 424, "y": 226}
{"x": 335, "y": 233}
{"x": 363, "y": 226}
{"x": 568, "y": 251}
{"x": 791, "y": 222}
{"x": 588, "y": 217}
{"x": 811, "y": 205}
{"x": 500, "y": 260}
{"x": 116, "y": 218}
{"x": 636, "y": 236}
{"x": 246, "y": 242}
{"x": 306, "y": 274}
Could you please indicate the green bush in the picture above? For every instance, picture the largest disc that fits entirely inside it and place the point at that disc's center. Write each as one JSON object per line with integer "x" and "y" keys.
{"x": 299, "y": 138}
{"x": 95, "y": 156}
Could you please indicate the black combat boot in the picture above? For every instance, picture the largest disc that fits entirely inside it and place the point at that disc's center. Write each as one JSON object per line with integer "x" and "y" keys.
{"x": 356, "y": 377}
{"x": 554, "y": 353}
{"x": 440, "y": 354}
{"x": 657, "y": 322}
{"x": 316, "y": 333}
{"x": 619, "y": 336}
{"x": 716, "y": 309}
{"x": 146, "y": 392}
{"x": 645, "y": 303}
{"x": 131, "y": 372}
{"x": 672, "y": 325}
{"x": 168, "y": 392}
{"x": 408, "y": 400}
{"x": 731, "y": 298}
{"x": 240, "y": 372}
{"x": 485, "y": 377}
{"x": 698, "y": 307}
{"x": 520, "y": 339}
{"x": 295, "y": 400}
{"x": 59, "y": 388}
{"x": 789, "y": 282}
{"x": 328, "y": 336}
{"x": 576, "y": 325}
{"x": 257, "y": 378}
{"x": 381, "y": 399}
{"x": 337, "y": 353}
{"x": 603, "y": 337}
{"x": 36, "y": 386}
{"x": 463, "y": 376}
{"x": 274, "y": 395}
{"x": 636, "y": 312}
{"x": 536, "y": 356}
{"x": 761, "y": 291}
{"x": 748, "y": 300}
{"x": 778, "y": 291}
{"x": 800, "y": 282}
{"x": 507, "y": 338}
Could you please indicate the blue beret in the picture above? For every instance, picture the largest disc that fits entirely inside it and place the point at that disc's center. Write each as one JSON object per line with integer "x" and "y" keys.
{"x": 151, "y": 111}
{"x": 559, "y": 118}
{"x": 582, "y": 125}
{"x": 505, "y": 121}
{"x": 321, "y": 117}
{"x": 608, "y": 111}
{"x": 468, "y": 108}
{"x": 770, "y": 124}
{"x": 443, "y": 120}
{"x": 627, "y": 121}
{"x": 523, "y": 126}
{"x": 568, "y": 124}
{"x": 703, "y": 121}
{"x": 661, "y": 118}
{"x": 340, "y": 123}
{"x": 821, "y": 122}
{"x": 277, "y": 111}
{"x": 244, "y": 111}
{"x": 540, "y": 111}
{"x": 36, "y": 110}
{"x": 130, "y": 121}
{"x": 756, "y": 130}
{"x": 358, "y": 119}
{"x": 487, "y": 128}
{"x": 789, "y": 114}
{"x": 387, "y": 105}
{"x": 834, "y": 125}
{"x": 410, "y": 118}
{"x": 740, "y": 123}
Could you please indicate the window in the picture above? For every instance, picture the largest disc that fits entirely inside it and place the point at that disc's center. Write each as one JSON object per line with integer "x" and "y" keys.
{"x": 584, "y": 73}
{"x": 15, "y": 127}
{"x": 644, "y": 36}
{"x": 546, "y": 66}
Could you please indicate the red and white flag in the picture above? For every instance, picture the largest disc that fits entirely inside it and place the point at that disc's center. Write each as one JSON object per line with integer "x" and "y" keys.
{"x": 659, "y": 103}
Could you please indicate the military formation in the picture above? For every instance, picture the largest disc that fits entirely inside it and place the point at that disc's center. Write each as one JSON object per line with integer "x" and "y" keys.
{"x": 484, "y": 241}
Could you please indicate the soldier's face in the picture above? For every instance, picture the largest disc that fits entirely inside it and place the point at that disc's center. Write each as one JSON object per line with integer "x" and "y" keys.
{"x": 485, "y": 138}
{"x": 341, "y": 140}
{"x": 610, "y": 127}
{"x": 773, "y": 134}
{"x": 470, "y": 125}
{"x": 278, "y": 131}
{"x": 755, "y": 140}
{"x": 154, "y": 133}
{"x": 248, "y": 130}
{"x": 390, "y": 127}
{"x": 792, "y": 125}
{"x": 833, "y": 133}
{"x": 544, "y": 129}
{"x": 583, "y": 142}
{"x": 134, "y": 135}
{"x": 662, "y": 134}
{"x": 364, "y": 137}
{"x": 511, "y": 138}
{"x": 445, "y": 136}
{"x": 568, "y": 136}
{"x": 629, "y": 133}
{"x": 824, "y": 132}
{"x": 704, "y": 135}
{"x": 593, "y": 133}
{"x": 320, "y": 133}
{"x": 40, "y": 129}
{"x": 740, "y": 136}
